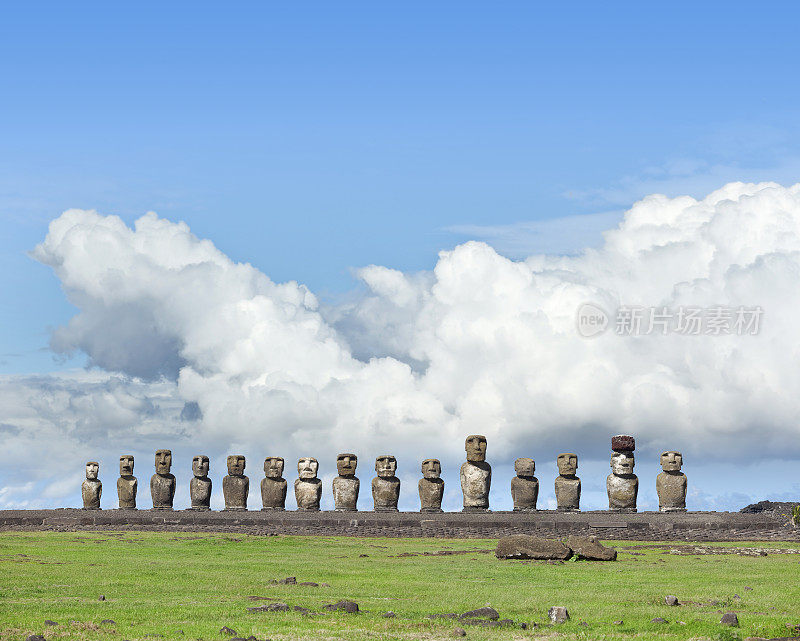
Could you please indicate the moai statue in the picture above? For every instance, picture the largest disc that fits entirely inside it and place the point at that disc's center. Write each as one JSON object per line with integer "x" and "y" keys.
{"x": 236, "y": 486}
{"x": 568, "y": 485}
{"x": 385, "y": 486}
{"x": 622, "y": 484}
{"x": 200, "y": 485}
{"x": 431, "y": 486}
{"x": 671, "y": 483}
{"x": 273, "y": 485}
{"x": 346, "y": 485}
{"x": 126, "y": 483}
{"x": 476, "y": 475}
{"x": 524, "y": 486}
{"x": 308, "y": 488}
{"x": 92, "y": 488}
{"x": 162, "y": 483}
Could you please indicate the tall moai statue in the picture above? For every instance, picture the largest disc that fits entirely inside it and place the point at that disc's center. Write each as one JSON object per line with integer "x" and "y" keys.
{"x": 671, "y": 483}
{"x": 431, "y": 486}
{"x": 568, "y": 485}
{"x": 476, "y": 475}
{"x": 126, "y": 483}
{"x": 92, "y": 488}
{"x": 524, "y": 486}
{"x": 346, "y": 485}
{"x": 386, "y": 486}
{"x": 162, "y": 483}
{"x": 622, "y": 484}
{"x": 236, "y": 486}
{"x": 200, "y": 485}
{"x": 273, "y": 485}
{"x": 307, "y": 487}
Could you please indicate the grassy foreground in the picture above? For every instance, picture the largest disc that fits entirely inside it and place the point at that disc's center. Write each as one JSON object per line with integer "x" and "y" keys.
{"x": 160, "y": 583}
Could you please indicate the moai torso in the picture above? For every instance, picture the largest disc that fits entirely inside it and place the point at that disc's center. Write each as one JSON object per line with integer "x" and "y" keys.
{"x": 671, "y": 483}
{"x": 91, "y": 488}
{"x": 162, "y": 483}
{"x": 308, "y": 488}
{"x": 273, "y": 485}
{"x": 236, "y": 486}
{"x": 622, "y": 484}
{"x": 91, "y": 491}
{"x": 431, "y": 486}
{"x": 308, "y": 494}
{"x": 476, "y": 475}
{"x": 524, "y": 486}
{"x": 346, "y": 486}
{"x": 568, "y": 485}
{"x": 200, "y": 485}
{"x": 127, "y": 483}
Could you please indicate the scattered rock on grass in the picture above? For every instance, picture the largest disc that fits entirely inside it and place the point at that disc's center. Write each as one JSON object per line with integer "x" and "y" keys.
{"x": 351, "y": 607}
{"x": 671, "y": 599}
{"x": 486, "y": 612}
{"x": 309, "y": 584}
{"x": 49, "y": 622}
{"x": 558, "y": 614}
{"x": 658, "y": 620}
{"x": 620, "y": 622}
{"x": 389, "y": 615}
{"x": 289, "y": 580}
{"x": 730, "y": 619}
{"x": 102, "y": 597}
{"x": 523, "y": 546}
{"x": 272, "y": 607}
{"x": 459, "y": 632}
{"x": 36, "y": 637}
{"x": 108, "y": 622}
{"x": 228, "y": 631}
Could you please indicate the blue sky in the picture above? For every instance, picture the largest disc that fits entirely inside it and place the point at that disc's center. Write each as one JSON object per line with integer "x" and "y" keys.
{"x": 310, "y": 138}
{"x": 313, "y": 139}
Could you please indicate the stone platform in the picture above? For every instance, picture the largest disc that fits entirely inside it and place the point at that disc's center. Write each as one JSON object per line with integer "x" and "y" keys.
{"x": 651, "y": 526}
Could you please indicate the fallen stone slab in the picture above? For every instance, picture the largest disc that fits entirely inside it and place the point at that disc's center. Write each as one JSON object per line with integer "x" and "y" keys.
{"x": 523, "y": 546}
{"x": 589, "y": 548}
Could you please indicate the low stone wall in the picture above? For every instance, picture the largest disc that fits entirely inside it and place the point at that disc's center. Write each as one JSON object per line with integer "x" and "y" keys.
{"x": 650, "y": 526}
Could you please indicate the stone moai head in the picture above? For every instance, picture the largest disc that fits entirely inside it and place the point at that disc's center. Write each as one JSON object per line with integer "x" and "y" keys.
{"x": 200, "y": 466}
{"x": 671, "y": 461}
{"x": 567, "y": 464}
{"x": 126, "y": 465}
{"x": 92, "y": 470}
{"x": 524, "y": 467}
{"x": 307, "y": 468}
{"x": 622, "y": 463}
{"x": 346, "y": 464}
{"x": 431, "y": 468}
{"x": 163, "y": 461}
{"x": 475, "y": 447}
{"x": 386, "y": 466}
{"x": 273, "y": 467}
{"x": 236, "y": 465}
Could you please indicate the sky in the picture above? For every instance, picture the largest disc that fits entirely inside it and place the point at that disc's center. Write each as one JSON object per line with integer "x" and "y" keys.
{"x": 342, "y": 158}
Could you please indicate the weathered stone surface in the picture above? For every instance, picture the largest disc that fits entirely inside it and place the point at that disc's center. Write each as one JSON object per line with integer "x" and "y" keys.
{"x": 200, "y": 485}
{"x": 431, "y": 486}
{"x": 92, "y": 487}
{"x": 524, "y": 486}
{"x": 273, "y": 485}
{"x": 671, "y": 483}
{"x": 671, "y": 600}
{"x": 385, "y": 486}
{"x": 588, "y": 547}
{"x": 558, "y": 614}
{"x": 476, "y": 475}
{"x": 730, "y": 619}
{"x": 308, "y": 488}
{"x": 486, "y": 612}
{"x": 127, "y": 484}
{"x": 568, "y": 485}
{"x": 351, "y": 607}
{"x": 622, "y": 484}
{"x": 522, "y": 546}
{"x": 658, "y": 620}
{"x": 162, "y": 483}
{"x": 236, "y": 486}
{"x": 346, "y": 486}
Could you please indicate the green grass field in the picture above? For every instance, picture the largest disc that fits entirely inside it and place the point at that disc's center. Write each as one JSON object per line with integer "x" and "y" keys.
{"x": 160, "y": 583}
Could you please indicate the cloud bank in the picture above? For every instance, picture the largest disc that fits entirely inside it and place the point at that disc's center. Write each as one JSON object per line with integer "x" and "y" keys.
{"x": 208, "y": 354}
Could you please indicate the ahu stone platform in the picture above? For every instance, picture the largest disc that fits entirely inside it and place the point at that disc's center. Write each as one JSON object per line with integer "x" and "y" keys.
{"x": 650, "y": 526}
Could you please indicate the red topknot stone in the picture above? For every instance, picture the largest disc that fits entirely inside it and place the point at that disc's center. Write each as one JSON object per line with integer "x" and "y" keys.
{"x": 623, "y": 443}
